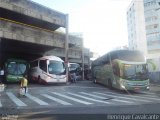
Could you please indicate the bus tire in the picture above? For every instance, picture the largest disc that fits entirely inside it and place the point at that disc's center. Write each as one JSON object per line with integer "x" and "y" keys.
{"x": 110, "y": 84}
{"x": 39, "y": 80}
{"x": 95, "y": 80}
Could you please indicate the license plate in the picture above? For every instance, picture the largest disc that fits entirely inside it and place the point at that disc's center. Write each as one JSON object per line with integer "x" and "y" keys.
{"x": 136, "y": 88}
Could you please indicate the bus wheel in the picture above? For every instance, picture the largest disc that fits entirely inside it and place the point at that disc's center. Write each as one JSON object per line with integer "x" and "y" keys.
{"x": 39, "y": 80}
{"x": 110, "y": 83}
{"x": 95, "y": 81}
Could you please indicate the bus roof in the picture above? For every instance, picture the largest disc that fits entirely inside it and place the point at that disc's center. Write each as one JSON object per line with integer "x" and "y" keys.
{"x": 50, "y": 58}
{"x": 126, "y": 55}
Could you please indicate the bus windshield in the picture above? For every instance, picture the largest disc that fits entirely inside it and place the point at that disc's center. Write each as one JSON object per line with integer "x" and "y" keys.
{"x": 73, "y": 66}
{"x": 14, "y": 68}
{"x": 135, "y": 72}
{"x": 56, "y": 67}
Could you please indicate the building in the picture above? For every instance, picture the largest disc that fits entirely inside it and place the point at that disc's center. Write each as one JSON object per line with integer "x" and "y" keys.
{"x": 136, "y": 26}
{"x": 143, "y": 18}
{"x": 29, "y": 30}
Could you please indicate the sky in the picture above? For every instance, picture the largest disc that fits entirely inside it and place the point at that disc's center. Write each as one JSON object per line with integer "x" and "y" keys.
{"x": 103, "y": 23}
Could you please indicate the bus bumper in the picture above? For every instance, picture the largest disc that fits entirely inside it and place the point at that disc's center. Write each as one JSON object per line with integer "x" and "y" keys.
{"x": 136, "y": 88}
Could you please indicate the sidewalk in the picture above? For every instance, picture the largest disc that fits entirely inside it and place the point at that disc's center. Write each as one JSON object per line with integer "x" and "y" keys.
{"x": 155, "y": 88}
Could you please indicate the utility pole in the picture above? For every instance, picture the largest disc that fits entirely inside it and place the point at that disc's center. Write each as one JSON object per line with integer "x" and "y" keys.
{"x": 66, "y": 46}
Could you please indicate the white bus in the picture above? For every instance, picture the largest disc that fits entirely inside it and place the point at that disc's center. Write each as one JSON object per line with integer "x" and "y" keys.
{"x": 48, "y": 69}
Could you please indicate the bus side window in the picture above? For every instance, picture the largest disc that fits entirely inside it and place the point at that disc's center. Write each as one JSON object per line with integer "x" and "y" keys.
{"x": 43, "y": 65}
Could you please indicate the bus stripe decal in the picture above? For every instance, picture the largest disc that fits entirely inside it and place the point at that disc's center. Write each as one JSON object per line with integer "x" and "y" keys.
{"x": 122, "y": 97}
{"x": 17, "y": 101}
{"x": 95, "y": 100}
{"x": 37, "y": 100}
{"x": 56, "y": 99}
{"x": 71, "y": 98}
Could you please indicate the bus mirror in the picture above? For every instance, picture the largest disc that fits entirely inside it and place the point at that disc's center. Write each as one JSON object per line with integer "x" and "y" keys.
{"x": 47, "y": 62}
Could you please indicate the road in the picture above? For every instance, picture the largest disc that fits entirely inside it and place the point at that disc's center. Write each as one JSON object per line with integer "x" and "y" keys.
{"x": 77, "y": 101}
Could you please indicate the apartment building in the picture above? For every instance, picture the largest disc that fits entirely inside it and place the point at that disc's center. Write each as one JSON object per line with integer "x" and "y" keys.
{"x": 143, "y": 17}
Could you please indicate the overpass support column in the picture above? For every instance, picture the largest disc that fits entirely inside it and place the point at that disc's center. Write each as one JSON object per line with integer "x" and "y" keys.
{"x": 82, "y": 60}
{"x": 66, "y": 45}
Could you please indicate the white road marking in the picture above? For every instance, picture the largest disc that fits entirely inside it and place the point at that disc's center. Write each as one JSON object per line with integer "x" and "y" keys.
{"x": 100, "y": 97}
{"x": 37, "y": 100}
{"x": 135, "y": 96}
{"x": 56, "y": 99}
{"x": 17, "y": 101}
{"x": 122, "y": 97}
{"x": 147, "y": 97}
{"x": 105, "y": 97}
{"x": 149, "y": 93}
{"x": 122, "y": 101}
{"x": 71, "y": 98}
{"x": 95, "y": 100}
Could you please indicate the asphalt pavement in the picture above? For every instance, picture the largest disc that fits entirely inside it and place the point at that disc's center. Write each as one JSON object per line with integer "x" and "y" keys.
{"x": 83, "y": 100}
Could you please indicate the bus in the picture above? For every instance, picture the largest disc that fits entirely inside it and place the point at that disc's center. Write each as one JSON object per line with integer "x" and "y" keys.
{"x": 15, "y": 69}
{"x": 121, "y": 69}
{"x": 48, "y": 69}
{"x": 75, "y": 68}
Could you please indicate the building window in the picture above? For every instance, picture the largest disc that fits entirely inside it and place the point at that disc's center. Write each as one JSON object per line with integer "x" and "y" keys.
{"x": 151, "y": 26}
{"x": 150, "y": 3}
{"x": 155, "y": 26}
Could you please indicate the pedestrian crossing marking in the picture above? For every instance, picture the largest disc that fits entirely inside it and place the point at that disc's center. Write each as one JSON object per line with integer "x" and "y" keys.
{"x": 100, "y": 97}
{"x": 71, "y": 98}
{"x": 86, "y": 98}
{"x": 56, "y": 99}
{"x": 149, "y": 93}
{"x": 37, "y": 100}
{"x": 96, "y": 96}
{"x": 141, "y": 97}
{"x": 122, "y": 101}
{"x": 157, "y": 99}
{"x": 130, "y": 97}
{"x": 150, "y": 96}
{"x": 17, "y": 101}
{"x": 122, "y": 97}
{"x": 95, "y": 100}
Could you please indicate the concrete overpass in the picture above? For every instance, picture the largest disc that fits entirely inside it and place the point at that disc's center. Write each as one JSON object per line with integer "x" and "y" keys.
{"x": 28, "y": 30}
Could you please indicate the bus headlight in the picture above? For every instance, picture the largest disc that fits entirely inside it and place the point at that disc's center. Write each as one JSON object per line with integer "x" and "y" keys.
{"x": 122, "y": 86}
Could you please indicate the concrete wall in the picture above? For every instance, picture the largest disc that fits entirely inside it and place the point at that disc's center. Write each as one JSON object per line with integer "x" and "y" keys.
{"x": 23, "y": 33}
{"x": 33, "y": 33}
{"x": 35, "y": 10}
